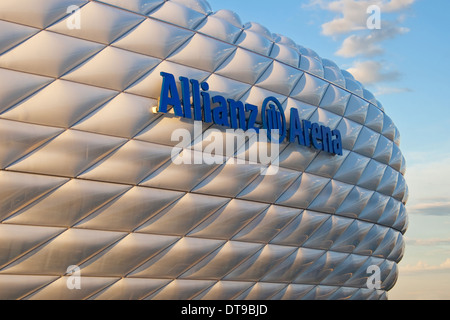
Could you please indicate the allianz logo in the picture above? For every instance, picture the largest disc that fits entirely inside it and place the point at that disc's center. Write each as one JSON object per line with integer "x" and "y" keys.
{"x": 237, "y": 115}
{"x": 267, "y": 124}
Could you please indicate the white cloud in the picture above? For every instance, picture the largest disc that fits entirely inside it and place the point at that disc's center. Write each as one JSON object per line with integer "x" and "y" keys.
{"x": 428, "y": 242}
{"x": 371, "y": 72}
{"x": 431, "y": 208}
{"x": 352, "y": 14}
{"x": 429, "y": 182}
{"x": 351, "y": 18}
{"x": 359, "y": 45}
{"x": 383, "y": 90}
{"x": 369, "y": 45}
{"x": 423, "y": 266}
{"x": 397, "y": 5}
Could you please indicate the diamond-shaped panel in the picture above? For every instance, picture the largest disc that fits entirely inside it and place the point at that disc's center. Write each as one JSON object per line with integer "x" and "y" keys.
{"x": 92, "y": 176}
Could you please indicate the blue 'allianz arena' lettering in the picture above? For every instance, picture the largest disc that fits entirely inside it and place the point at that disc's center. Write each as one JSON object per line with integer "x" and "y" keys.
{"x": 237, "y": 115}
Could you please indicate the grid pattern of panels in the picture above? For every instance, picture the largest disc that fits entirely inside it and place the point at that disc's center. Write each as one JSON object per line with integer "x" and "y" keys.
{"x": 87, "y": 177}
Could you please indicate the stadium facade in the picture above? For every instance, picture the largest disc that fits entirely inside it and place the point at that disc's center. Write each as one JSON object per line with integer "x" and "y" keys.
{"x": 94, "y": 204}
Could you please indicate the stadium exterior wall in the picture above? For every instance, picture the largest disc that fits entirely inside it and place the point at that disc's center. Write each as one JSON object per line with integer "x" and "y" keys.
{"x": 95, "y": 207}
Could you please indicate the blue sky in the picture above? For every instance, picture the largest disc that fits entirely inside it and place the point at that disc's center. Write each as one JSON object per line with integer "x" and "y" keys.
{"x": 411, "y": 53}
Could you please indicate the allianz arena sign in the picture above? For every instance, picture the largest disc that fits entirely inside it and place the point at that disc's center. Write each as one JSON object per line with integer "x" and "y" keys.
{"x": 100, "y": 202}
{"x": 231, "y": 113}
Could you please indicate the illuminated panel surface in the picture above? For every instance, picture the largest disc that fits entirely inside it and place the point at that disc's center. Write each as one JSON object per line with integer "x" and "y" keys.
{"x": 87, "y": 179}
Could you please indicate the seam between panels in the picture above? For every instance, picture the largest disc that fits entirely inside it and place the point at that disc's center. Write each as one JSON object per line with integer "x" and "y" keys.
{"x": 263, "y": 245}
{"x": 135, "y": 230}
{"x": 79, "y": 263}
{"x": 216, "y": 211}
{"x": 157, "y": 143}
{"x": 186, "y": 235}
{"x": 103, "y": 158}
{"x": 38, "y": 28}
{"x": 75, "y": 175}
{"x": 226, "y": 158}
{"x": 54, "y": 79}
{"x": 100, "y": 106}
{"x": 147, "y": 259}
{"x": 276, "y": 292}
{"x": 108, "y": 202}
{"x": 114, "y": 150}
{"x": 199, "y": 293}
{"x": 24, "y": 296}
{"x": 82, "y": 62}
{"x": 173, "y": 279}
{"x": 324, "y": 254}
{"x": 102, "y": 289}
{"x": 167, "y": 248}
{"x": 146, "y": 16}
{"x": 165, "y": 59}
{"x": 31, "y": 250}
{"x": 108, "y": 154}
{"x": 166, "y": 189}
{"x": 118, "y": 92}
{"x": 265, "y": 211}
{"x": 118, "y": 278}
{"x": 170, "y": 281}
{"x": 36, "y": 200}
{"x": 100, "y": 207}
{"x": 253, "y": 284}
{"x": 323, "y": 176}
{"x": 195, "y": 31}
{"x": 249, "y": 258}
{"x": 216, "y": 250}
{"x": 287, "y": 283}
{"x": 298, "y": 274}
{"x": 229, "y": 270}
{"x": 213, "y": 195}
